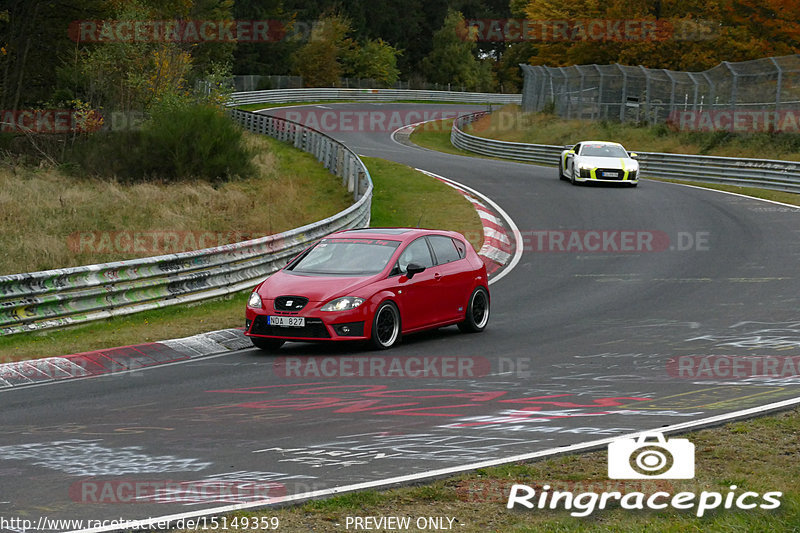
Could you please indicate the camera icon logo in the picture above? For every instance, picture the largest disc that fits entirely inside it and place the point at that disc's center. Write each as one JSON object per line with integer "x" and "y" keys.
{"x": 642, "y": 458}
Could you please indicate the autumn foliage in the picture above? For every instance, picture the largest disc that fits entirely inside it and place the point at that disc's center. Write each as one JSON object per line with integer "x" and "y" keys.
{"x": 696, "y": 34}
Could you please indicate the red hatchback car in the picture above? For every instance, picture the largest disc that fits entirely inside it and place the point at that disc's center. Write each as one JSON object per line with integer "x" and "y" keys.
{"x": 371, "y": 284}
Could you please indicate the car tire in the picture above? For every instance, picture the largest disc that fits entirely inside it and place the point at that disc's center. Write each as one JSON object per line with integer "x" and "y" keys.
{"x": 561, "y": 170}
{"x": 386, "y": 330}
{"x": 267, "y": 345}
{"x": 477, "y": 312}
{"x": 572, "y": 176}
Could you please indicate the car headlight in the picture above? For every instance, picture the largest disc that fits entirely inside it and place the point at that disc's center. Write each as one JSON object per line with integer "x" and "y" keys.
{"x": 254, "y": 301}
{"x": 343, "y": 304}
{"x": 584, "y": 166}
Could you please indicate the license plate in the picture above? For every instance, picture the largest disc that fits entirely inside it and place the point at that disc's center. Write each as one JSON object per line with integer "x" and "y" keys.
{"x": 610, "y": 174}
{"x": 287, "y": 321}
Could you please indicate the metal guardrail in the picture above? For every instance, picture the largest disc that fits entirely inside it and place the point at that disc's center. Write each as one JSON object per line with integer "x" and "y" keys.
{"x": 759, "y": 173}
{"x": 55, "y": 298}
{"x": 278, "y": 96}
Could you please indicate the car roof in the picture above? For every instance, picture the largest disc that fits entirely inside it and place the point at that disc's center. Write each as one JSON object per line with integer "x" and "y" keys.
{"x": 395, "y": 234}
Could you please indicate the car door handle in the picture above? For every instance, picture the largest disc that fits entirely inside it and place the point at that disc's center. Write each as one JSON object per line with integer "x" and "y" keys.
{"x": 437, "y": 276}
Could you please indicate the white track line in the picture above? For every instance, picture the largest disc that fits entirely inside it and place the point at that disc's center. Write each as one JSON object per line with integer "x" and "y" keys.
{"x": 399, "y": 480}
{"x": 740, "y": 195}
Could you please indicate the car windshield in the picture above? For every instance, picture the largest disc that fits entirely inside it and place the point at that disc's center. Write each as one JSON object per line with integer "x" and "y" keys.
{"x": 603, "y": 150}
{"x": 346, "y": 257}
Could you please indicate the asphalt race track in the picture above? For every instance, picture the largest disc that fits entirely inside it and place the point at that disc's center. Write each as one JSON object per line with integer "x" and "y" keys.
{"x": 613, "y": 284}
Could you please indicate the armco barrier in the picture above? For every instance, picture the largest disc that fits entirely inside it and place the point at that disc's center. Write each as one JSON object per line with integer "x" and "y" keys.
{"x": 278, "y": 96}
{"x": 61, "y": 297}
{"x": 760, "y": 173}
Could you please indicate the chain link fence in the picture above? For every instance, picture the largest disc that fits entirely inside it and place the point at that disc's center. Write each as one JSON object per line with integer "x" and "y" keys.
{"x": 760, "y": 92}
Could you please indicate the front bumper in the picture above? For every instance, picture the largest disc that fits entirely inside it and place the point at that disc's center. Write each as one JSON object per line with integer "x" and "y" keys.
{"x": 601, "y": 175}
{"x": 319, "y": 325}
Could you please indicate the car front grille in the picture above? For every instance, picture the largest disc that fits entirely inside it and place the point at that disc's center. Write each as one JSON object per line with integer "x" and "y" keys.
{"x": 314, "y": 329}
{"x": 599, "y": 173}
{"x": 290, "y": 303}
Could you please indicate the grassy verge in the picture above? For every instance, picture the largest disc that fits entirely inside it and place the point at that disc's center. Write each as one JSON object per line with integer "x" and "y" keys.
{"x": 758, "y": 455}
{"x": 511, "y": 124}
{"x": 437, "y": 137}
{"x": 403, "y": 197}
{"x": 52, "y": 220}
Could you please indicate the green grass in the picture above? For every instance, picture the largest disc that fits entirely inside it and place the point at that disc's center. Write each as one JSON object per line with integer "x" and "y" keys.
{"x": 759, "y": 455}
{"x": 511, "y": 124}
{"x": 437, "y": 137}
{"x": 402, "y": 197}
{"x": 49, "y": 219}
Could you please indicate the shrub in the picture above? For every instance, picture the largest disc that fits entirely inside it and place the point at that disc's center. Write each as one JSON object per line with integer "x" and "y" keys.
{"x": 176, "y": 142}
{"x": 194, "y": 141}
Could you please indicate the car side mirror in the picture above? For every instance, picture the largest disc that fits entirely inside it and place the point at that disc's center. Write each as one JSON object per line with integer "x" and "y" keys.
{"x": 634, "y": 155}
{"x": 413, "y": 268}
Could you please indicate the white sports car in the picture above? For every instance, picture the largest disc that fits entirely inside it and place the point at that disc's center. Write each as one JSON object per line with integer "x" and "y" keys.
{"x": 598, "y": 161}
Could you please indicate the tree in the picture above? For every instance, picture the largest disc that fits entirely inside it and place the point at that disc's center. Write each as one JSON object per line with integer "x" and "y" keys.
{"x": 204, "y": 54}
{"x": 330, "y": 54}
{"x": 318, "y": 61}
{"x": 375, "y": 59}
{"x": 773, "y": 25}
{"x": 46, "y": 61}
{"x": 133, "y": 75}
{"x": 713, "y": 31}
{"x": 452, "y": 60}
{"x": 35, "y": 43}
{"x": 264, "y": 58}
